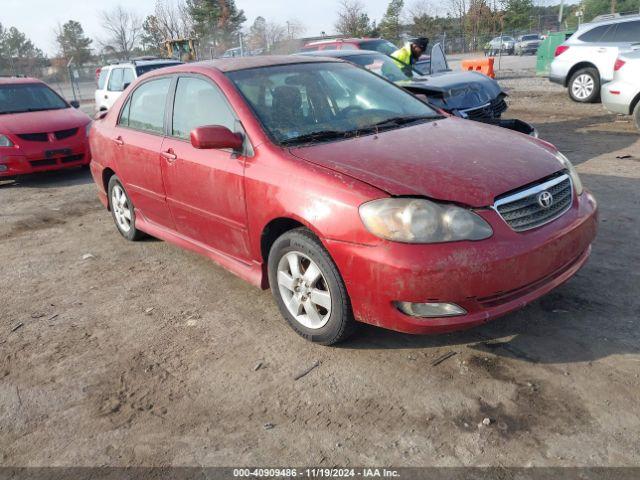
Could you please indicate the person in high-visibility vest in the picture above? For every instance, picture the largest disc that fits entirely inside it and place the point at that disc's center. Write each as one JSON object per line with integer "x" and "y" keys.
{"x": 408, "y": 55}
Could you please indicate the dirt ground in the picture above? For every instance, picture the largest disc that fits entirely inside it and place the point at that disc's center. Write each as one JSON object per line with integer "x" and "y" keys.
{"x": 144, "y": 354}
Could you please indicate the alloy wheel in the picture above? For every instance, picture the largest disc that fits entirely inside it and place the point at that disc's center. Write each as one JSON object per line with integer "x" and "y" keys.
{"x": 304, "y": 290}
{"x": 121, "y": 209}
{"x": 583, "y": 86}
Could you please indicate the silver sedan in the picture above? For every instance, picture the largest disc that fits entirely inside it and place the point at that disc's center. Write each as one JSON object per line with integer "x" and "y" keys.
{"x": 622, "y": 95}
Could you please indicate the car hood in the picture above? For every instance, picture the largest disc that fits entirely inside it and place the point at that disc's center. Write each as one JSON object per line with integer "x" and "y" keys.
{"x": 43, "y": 122}
{"x": 451, "y": 159}
{"x": 455, "y": 90}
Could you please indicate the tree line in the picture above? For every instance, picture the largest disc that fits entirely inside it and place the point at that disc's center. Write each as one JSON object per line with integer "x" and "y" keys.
{"x": 219, "y": 25}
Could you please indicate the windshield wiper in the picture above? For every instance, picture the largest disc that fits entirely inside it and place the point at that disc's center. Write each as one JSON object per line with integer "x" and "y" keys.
{"x": 318, "y": 136}
{"x": 398, "y": 121}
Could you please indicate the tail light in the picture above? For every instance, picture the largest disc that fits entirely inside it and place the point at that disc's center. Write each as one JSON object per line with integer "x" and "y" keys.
{"x": 98, "y": 70}
{"x": 560, "y": 49}
{"x": 619, "y": 64}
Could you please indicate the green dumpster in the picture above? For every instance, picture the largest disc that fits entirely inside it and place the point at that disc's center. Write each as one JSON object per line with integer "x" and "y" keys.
{"x": 547, "y": 49}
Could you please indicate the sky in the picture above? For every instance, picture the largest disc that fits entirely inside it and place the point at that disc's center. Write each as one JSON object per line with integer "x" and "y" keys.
{"x": 38, "y": 18}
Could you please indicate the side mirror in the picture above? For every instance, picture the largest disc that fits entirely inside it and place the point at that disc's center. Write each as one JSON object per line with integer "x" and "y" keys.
{"x": 125, "y": 86}
{"x": 74, "y": 103}
{"x": 215, "y": 137}
{"x": 100, "y": 115}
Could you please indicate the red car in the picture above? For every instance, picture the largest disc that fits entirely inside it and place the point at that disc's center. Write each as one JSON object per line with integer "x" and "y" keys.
{"x": 346, "y": 195}
{"x": 39, "y": 130}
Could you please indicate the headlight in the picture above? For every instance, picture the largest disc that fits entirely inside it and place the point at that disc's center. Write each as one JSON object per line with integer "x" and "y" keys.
{"x": 414, "y": 220}
{"x": 573, "y": 173}
{"x": 87, "y": 129}
{"x": 5, "y": 142}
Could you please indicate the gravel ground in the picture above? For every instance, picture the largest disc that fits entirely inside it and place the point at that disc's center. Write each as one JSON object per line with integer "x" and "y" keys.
{"x": 114, "y": 353}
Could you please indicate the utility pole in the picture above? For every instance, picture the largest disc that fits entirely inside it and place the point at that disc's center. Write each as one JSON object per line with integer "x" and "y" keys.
{"x": 613, "y": 6}
{"x": 561, "y": 12}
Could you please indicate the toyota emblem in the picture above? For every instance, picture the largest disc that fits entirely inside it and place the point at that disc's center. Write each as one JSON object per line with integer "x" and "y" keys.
{"x": 545, "y": 199}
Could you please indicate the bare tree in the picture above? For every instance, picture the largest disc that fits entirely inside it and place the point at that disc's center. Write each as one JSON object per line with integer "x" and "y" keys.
{"x": 123, "y": 28}
{"x": 295, "y": 28}
{"x": 353, "y": 20}
{"x": 274, "y": 33}
{"x": 173, "y": 18}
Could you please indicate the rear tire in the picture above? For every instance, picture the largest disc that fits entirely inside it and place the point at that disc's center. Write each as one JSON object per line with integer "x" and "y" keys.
{"x": 309, "y": 289}
{"x": 584, "y": 86}
{"x": 636, "y": 115}
{"x": 123, "y": 211}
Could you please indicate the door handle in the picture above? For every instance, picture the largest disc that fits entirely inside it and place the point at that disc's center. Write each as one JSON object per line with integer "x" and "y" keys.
{"x": 602, "y": 50}
{"x": 118, "y": 141}
{"x": 106, "y": 97}
{"x": 169, "y": 156}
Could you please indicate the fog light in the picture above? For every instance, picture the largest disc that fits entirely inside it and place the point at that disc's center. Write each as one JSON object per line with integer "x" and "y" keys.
{"x": 427, "y": 310}
{"x": 3, "y": 168}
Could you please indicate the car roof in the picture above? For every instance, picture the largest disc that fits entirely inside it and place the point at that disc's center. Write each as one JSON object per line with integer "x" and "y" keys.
{"x": 18, "y": 80}
{"x": 244, "y": 63}
{"x": 339, "y": 53}
{"x": 608, "y": 20}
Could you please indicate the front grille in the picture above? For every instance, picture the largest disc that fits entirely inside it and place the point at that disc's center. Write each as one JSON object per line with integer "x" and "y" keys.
{"x": 44, "y": 137}
{"x": 522, "y": 210}
{"x": 34, "y": 137}
{"x": 47, "y": 162}
{"x": 493, "y": 109}
{"x": 62, "y": 134}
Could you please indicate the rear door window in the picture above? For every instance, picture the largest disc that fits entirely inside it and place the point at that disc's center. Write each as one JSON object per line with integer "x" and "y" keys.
{"x": 116, "y": 80}
{"x": 146, "y": 106}
{"x": 102, "y": 79}
{"x": 127, "y": 77}
{"x": 198, "y": 103}
{"x": 628, "y": 32}
{"x": 595, "y": 34}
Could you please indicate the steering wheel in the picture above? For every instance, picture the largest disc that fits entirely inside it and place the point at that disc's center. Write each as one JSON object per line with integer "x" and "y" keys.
{"x": 350, "y": 109}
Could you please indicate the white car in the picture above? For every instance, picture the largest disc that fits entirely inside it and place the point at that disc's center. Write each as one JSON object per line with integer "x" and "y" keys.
{"x": 504, "y": 44}
{"x": 622, "y": 95}
{"x": 585, "y": 61}
{"x": 114, "y": 79}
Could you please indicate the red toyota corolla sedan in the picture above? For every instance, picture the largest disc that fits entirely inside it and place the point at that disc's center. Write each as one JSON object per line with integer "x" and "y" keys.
{"x": 349, "y": 197}
{"x": 39, "y": 130}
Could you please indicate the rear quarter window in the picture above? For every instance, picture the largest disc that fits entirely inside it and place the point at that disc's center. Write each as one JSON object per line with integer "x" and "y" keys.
{"x": 595, "y": 34}
{"x": 628, "y": 32}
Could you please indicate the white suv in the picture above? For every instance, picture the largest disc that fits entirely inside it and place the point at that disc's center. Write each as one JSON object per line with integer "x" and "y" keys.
{"x": 585, "y": 61}
{"x": 114, "y": 79}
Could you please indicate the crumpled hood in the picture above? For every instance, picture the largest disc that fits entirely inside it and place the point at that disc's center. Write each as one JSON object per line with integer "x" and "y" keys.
{"x": 451, "y": 159}
{"x": 455, "y": 90}
{"x": 43, "y": 122}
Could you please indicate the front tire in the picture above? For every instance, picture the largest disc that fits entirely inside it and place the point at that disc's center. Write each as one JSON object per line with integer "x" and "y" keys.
{"x": 122, "y": 211}
{"x": 309, "y": 289}
{"x": 584, "y": 85}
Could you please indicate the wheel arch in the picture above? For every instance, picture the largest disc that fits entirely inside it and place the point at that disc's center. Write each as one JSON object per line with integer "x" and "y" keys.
{"x": 107, "y": 173}
{"x": 634, "y": 102}
{"x": 579, "y": 66}
{"x": 274, "y": 229}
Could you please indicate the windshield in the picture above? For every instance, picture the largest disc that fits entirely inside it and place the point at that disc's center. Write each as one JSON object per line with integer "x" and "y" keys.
{"x": 380, "y": 65}
{"x": 308, "y": 102}
{"x": 29, "y": 97}
{"x": 382, "y": 46}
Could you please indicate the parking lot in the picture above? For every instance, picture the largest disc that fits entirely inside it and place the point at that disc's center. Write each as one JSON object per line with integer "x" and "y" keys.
{"x": 118, "y": 353}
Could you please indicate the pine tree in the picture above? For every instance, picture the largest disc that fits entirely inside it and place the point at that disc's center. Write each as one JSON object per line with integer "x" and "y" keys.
{"x": 216, "y": 22}
{"x": 73, "y": 43}
{"x": 390, "y": 25}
